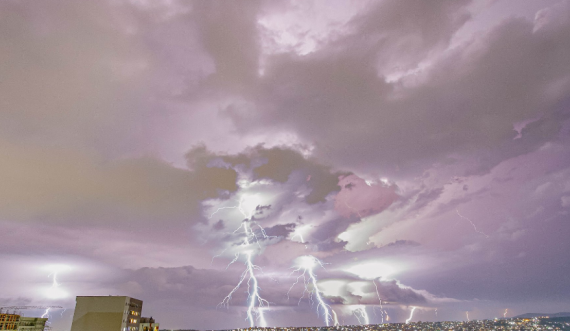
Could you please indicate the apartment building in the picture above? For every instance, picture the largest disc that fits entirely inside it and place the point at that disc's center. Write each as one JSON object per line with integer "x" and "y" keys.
{"x": 109, "y": 313}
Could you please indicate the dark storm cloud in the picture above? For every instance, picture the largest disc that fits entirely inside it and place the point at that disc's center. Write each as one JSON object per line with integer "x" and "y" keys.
{"x": 276, "y": 164}
{"x": 60, "y": 87}
{"x": 219, "y": 225}
{"x": 325, "y": 236}
{"x": 233, "y": 45}
{"x": 281, "y": 162}
{"x": 59, "y": 186}
{"x": 462, "y": 102}
{"x": 281, "y": 230}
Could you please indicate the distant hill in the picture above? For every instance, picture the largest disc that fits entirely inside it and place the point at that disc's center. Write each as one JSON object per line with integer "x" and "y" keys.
{"x": 532, "y": 315}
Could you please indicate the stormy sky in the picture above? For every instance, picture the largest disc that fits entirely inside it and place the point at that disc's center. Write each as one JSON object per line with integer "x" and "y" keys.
{"x": 413, "y": 153}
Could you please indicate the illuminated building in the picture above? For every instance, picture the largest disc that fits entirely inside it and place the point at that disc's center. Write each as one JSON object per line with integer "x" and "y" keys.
{"x": 109, "y": 313}
{"x": 148, "y": 324}
{"x": 9, "y": 321}
{"x": 20, "y": 323}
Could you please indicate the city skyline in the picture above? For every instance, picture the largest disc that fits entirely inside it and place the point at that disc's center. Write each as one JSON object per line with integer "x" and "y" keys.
{"x": 286, "y": 163}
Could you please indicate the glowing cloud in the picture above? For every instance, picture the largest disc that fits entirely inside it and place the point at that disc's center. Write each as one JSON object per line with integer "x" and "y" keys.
{"x": 372, "y": 270}
{"x": 55, "y": 291}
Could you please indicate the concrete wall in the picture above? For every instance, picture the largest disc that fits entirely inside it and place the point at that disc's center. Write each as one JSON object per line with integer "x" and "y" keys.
{"x": 100, "y": 313}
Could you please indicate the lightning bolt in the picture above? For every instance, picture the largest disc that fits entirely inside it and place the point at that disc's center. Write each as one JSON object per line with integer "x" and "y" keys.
{"x": 411, "y": 315}
{"x": 382, "y": 311}
{"x": 54, "y": 283}
{"x": 307, "y": 264}
{"x": 55, "y": 291}
{"x": 255, "y": 302}
{"x": 222, "y": 208}
{"x": 467, "y": 314}
{"x": 335, "y": 317}
{"x": 472, "y": 224}
{"x": 218, "y": 255}
{"x": 360, "y": 312}
{"x": 505, "y": 314}
{"x": 46, "y": 313}
{"x": 435, "y": 311}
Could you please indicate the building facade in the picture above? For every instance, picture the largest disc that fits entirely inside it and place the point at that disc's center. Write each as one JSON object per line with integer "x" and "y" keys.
{"x": 32, "y": 323}
{"x": 9, "y": 321}
{"x": 149, "y": 324}
{"x": 109, "y": 313}
{"x": 20, "y": 323}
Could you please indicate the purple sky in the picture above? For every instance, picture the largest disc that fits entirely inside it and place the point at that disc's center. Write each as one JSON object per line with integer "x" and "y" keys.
{"x": 419, "y": 149}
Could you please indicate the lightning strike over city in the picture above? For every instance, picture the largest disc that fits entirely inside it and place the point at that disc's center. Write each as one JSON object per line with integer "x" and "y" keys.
{"x": 361, "y": 315}
{"x": 335, "y": 318}
{"x": 256, "y": 304}
{"x": 411, "y": 315}
{"x": 306, "y": 265}
{"x": 382, "y": 311}
{"x": 286, "y": 165}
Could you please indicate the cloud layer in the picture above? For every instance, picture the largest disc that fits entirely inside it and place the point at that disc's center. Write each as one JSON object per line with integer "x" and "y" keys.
{"x": 418, "y": 150}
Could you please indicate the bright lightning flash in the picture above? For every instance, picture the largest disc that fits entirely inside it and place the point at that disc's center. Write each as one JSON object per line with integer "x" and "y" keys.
{"x": 299, "y": 231}
{"x": 411, "y": 315}
{"x": 335, "y": 317}
{"x": 55, "y": 291}
{"x": 505, "y": 314}
{"x": 46, "y": 313}
{"x": 255, "y": 301}
{"x": 307, "y": 264}
{"x": 360, "y": 312}
{"x": 382, "y": 311}
{"x": 467, "y": 314}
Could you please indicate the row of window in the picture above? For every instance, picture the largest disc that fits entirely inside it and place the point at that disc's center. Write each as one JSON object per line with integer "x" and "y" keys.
{"x": 9, "y": 317}
{"x": 8, "y": 326}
